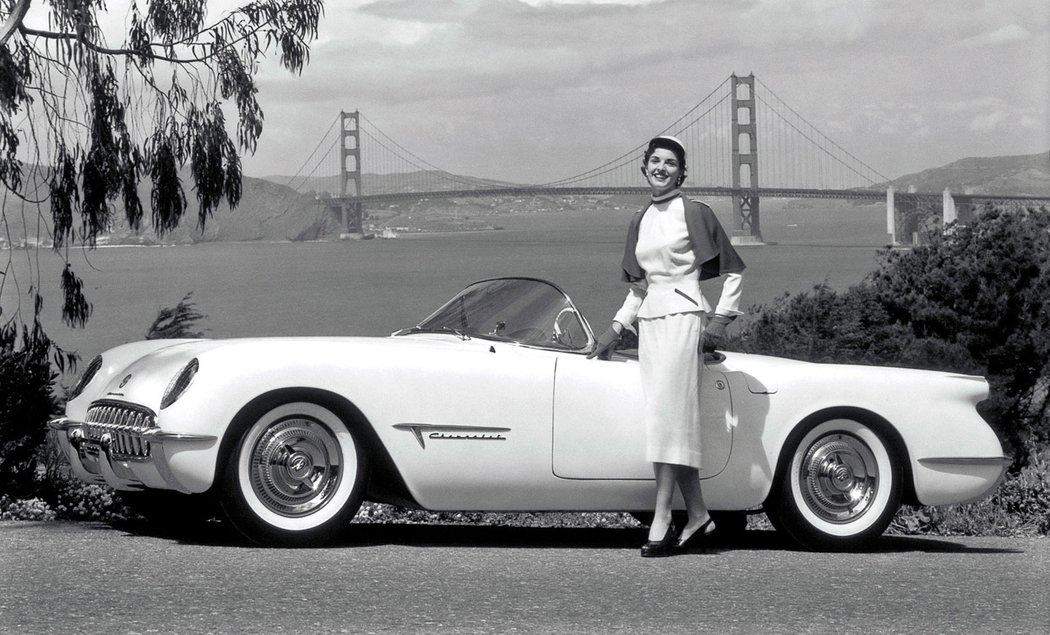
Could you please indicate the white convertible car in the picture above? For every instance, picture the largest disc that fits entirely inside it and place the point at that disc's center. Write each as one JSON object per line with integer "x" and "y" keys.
{"x": 491, "y": 403}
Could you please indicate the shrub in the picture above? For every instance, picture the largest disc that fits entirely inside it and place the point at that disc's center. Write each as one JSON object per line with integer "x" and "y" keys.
{"x": 380, "y": 513}
{"x": 823, "y": 325}
{"x": 983, "y": 289}
{"x": 973, "y": 301}
{"x": 177, "y": 322}
{"x": 25, "y": 509}
{"x": 26, "y": 402}
{"x": 75, "y": 500}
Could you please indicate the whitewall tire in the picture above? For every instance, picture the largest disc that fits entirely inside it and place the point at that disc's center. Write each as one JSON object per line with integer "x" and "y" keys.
{"x": 840, "y": 485}
{"x": 295, "y": 475}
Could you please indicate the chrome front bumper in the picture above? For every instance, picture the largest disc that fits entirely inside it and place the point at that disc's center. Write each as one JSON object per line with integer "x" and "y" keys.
{"x": 125, "y": 457}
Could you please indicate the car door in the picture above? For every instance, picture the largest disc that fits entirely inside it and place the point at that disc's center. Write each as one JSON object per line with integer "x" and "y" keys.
{"x": 598, "y": 429}
{"x": 470, "y": 428}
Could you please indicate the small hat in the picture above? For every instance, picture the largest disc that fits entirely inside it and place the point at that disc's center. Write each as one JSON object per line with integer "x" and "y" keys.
{"x": 669, "y": 142}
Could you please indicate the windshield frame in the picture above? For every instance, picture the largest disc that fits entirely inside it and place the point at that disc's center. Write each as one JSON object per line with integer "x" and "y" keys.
{"x": 465, "y": 334}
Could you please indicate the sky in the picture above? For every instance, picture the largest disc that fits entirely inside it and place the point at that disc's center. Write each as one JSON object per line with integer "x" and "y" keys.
{"x": 535, "y": 90}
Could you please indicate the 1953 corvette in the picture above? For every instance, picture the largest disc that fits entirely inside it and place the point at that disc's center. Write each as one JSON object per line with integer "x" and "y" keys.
{"x": 491, "y": 403}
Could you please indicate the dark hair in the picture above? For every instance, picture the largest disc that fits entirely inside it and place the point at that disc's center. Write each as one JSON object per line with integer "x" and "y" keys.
{"x": 679, "y": 153}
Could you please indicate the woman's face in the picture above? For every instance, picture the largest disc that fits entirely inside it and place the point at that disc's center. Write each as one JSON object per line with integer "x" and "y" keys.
{"x": 662, "y": 171}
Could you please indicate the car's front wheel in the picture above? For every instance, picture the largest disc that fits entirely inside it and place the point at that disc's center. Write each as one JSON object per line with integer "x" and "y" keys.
{"x": 294, "y": 476}
{"x": 840, "y": 485}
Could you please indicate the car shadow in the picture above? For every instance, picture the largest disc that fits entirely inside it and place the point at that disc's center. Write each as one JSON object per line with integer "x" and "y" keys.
{"x": 769, "y": 540}
{"x": 220, "y": 534}
{"x": 939, "y": 544}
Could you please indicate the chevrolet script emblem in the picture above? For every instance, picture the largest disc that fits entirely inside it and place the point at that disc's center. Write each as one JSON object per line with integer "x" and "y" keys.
{"x": 455, "y": 433}
{"x": 124, "y": 382}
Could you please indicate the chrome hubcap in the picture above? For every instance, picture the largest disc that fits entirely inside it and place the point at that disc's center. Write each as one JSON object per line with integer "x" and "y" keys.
{"x": 295, "y": 466}
{"x": 839, "y": 478}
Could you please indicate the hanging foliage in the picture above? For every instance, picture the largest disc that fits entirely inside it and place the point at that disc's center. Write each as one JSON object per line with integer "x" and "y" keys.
{"x": 84, "y": 121}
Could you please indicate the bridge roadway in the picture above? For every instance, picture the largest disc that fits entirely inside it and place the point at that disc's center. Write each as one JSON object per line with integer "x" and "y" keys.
{"x": 762, "y": 192}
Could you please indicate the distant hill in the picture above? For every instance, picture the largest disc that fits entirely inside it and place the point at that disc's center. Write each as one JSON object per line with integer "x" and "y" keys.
{"x": 271, "y": 210}
{"x": 1025, "y": 175}
{"x": 267, "y": 211}
{"x": 384, "y": 183}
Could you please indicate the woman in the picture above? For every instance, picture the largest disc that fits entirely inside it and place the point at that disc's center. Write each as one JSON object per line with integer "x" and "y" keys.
{"x": 672, "y": 245}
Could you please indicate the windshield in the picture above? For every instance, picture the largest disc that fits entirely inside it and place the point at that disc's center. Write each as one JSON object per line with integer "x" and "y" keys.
{"x": 522, "y": 310}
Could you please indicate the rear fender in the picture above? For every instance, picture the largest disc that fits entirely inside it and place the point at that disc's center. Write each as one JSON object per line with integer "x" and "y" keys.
{"x": 868, "y": 418}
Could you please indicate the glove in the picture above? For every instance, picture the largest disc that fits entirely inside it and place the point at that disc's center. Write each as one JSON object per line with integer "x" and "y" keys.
{"x": 715, "y": 333}
{"x": 607, "y": 342}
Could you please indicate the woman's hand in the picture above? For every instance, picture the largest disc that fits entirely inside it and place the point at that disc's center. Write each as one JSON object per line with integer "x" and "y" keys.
{"x": 607, "y": 342}
{"x": 715, "y": 333}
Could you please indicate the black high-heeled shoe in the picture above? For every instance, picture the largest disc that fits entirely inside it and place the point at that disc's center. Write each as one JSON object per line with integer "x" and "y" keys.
{"x": 660, "y": 548}
{"x": 703, "y": 531}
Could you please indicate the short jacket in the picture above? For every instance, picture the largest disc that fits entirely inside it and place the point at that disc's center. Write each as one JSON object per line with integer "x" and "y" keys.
{"x": 712, "y": 248}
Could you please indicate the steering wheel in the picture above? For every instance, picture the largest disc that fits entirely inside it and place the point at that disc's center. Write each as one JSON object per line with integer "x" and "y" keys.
{"x": 560, "y": 335}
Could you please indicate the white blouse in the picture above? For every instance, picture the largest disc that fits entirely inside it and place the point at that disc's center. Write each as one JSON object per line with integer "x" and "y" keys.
{"x": 672, "y": 279}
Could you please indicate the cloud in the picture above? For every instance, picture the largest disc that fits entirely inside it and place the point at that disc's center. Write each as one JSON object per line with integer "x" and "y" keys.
{"x": 1009, "y": 34}
{"x": 774, "y": 22}
{"x": 889, "y": 79}
{"x": 542, "y": 3}
{"x": 989, "y": 122}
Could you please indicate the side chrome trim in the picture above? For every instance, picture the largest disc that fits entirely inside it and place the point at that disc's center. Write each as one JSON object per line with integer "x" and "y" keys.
{"x": 997, "y": 461}
{"x": 452, "y": 432}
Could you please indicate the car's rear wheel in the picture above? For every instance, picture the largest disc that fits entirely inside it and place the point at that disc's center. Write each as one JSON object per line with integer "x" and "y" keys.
{"x": 840, "y": 485}
{"x": 294, "y": 476}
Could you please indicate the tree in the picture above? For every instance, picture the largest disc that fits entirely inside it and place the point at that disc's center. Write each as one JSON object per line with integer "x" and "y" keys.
{"x": 974, "y": 300}
{"x": 26, "y": 400}
{"x": 82, "y": 121}
{"x": 984, "y": 288}
{"x": 177, "y": 322}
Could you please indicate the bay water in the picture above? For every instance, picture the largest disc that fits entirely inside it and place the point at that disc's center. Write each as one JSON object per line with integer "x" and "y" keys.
{"x": 373, "y": 287}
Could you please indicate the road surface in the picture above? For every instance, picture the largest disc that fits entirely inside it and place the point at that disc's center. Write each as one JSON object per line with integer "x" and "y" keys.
{"x": 95, "y": 578}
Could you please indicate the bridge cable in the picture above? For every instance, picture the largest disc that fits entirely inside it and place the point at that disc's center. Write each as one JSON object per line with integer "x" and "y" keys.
{"x": 822, "y": 149}
{"x": 634, "y": 151}
{"x": 323, "y": 137}
{"x": 847, "y": 152}
{"x": 447, "y": 176}
{"x": 452, "y": 177}
{"x": 632, "y": 155}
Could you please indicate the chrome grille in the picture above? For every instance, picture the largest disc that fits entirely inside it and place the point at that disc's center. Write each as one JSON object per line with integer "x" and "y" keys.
{"x": 124, "y": 425}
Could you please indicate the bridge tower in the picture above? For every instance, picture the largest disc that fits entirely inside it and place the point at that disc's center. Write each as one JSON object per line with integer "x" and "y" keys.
{"x": 745, "y": 181}
{"x": 352, "y": 213}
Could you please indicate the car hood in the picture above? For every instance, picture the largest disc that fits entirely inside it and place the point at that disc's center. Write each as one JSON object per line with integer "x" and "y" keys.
{"x": 141, "y": 372}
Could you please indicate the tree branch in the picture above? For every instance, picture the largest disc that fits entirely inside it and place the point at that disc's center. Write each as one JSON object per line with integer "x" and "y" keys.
{"x": 14, "y": 21}
{"x": 53, "y": 35}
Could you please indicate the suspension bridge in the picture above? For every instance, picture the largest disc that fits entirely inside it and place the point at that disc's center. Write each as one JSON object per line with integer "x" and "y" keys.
{"x": 723, "y": 133}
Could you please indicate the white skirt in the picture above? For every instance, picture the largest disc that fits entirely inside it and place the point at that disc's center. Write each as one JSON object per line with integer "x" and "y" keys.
{"x": 671, "y": 369}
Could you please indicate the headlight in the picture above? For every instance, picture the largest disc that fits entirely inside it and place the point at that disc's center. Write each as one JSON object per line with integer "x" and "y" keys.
{"x": 85, "y": 379}
{"x": 179, "y": 383}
